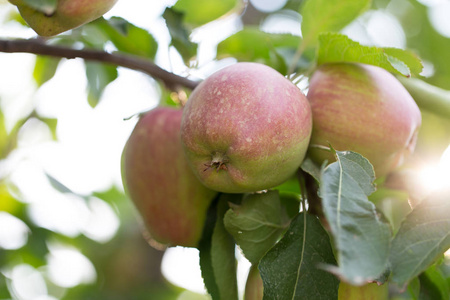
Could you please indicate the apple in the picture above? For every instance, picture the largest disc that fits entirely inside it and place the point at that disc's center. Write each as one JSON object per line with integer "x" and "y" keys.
{"x": 254, "y": 288}
{"x": 245, "y": 128}
{"x": 364, "y": 109}
{"x": 369, "y": 291}
{"x": 172, "y": 202}
{"x": 68, "y": 14}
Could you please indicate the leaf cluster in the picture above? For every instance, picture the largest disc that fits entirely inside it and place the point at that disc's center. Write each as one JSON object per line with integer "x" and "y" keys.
{"x": 302, "y": 255}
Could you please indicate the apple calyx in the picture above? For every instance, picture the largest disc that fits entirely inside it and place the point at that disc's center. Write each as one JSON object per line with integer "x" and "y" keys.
{"x": 218, "y": 162}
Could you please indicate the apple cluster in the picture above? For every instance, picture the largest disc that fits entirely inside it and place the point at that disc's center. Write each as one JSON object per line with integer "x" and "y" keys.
{"x": 247, "y": 128}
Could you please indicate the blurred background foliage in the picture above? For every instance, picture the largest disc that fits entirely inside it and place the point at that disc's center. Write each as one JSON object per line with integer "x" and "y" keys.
{"x": 47, "y": 228}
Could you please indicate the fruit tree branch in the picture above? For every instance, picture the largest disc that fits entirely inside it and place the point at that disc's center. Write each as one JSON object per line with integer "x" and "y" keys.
{"x": 38, "y": 47}
{"x": 427, "y": 96}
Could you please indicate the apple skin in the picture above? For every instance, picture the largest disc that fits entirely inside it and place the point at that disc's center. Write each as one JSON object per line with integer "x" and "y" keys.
{"x": 245, "y": 128}
{"x": 365, "y": 109}
{"x": 171, "y": 201}
{"x": 254, "y": 288}
{"x": 69, "y": 14}
{"x": 370, "y": 291}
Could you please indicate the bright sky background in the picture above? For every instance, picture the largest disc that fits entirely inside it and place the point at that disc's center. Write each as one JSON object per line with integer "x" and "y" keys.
{"x": 86, "y": 157}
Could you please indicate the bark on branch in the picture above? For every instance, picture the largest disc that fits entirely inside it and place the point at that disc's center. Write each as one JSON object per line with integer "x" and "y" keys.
{"x": 38, "y": 47}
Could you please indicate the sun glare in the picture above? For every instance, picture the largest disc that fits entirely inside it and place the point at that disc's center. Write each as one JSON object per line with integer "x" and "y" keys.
{"x": 436, "y": 176}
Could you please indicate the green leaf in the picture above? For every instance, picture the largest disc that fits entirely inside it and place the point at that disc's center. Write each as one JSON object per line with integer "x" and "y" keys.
{"x": 58, "y": 185}
{"x": 289, "y": 186}
{"x": 47, "y": 7}
{"x": 223, "y": 255}
{"x": 290, "y": 206}
{"x": 411, "y": 59}
{"x": 256, "y": 224}
{"x": 422, "y": 238}
{"x": 127, "y": 37}
{"x": 334, "y": 47}
{"x": 199, "y": 12}
{"x": 112, "y": 196}
{"x": 361, "y": 238}
{"x": 204, "y": 247}
{"x": 252, "y": 44}
{"x": 4, "y": 293}
{"x": 99, "y": 76}
{"x": 432, "y": 46}
{"x": 393, "y": 203}
{"x": 8, "y": 204}
{"x": 179, "y": 34}
{"x": 217, "y": 254}
{"x": 44, "y": 69}
{"x": 291, "y": 269}
{"x": 8, "y": 140}
{"x": 293, "y": 4}
{"x": 51, "y": 123}
{"x": 3, "y": 136}
{"x": 328, "y": 15}
{"x": 413, "y": 289}
{"x": 433, "y": 285}
{"x": 311, "y": 168}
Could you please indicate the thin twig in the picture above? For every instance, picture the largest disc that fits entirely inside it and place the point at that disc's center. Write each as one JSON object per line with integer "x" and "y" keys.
{"x": 298, "y": 54}
{"x": 38, "y": 47}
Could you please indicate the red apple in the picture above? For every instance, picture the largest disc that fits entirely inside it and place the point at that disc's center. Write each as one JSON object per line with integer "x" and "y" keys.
{"x": 172, "y": 202}
{"x": 68, "y": 14}
{"x": 246, "y": 128}
{"x": 365, "y": 109}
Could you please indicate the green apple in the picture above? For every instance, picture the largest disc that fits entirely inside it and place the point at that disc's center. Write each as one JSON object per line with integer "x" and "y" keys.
{"x": 245, "y": 128}
{"x": 370, "y": 291}
{"x": 365, "y": 109}
{"x": 254, "y": 288}
{"x": 172, "y": 202}
{"x": 66, "y": 15}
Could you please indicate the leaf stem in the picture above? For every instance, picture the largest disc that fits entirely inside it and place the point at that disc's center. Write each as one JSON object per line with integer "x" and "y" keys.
{"x": 298, "y": 54}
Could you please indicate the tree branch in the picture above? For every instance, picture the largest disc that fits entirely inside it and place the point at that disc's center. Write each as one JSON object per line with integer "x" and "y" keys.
{"x": 427, "y": 96}
{"x": 35, "y": 46}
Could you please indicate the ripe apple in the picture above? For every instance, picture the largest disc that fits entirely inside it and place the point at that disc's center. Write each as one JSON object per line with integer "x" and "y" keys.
{"x": 370, "y": 291}
{"x": 365, "y": 109}
{"x": 68, "y": 14}
{"x": 245, "y": 128}
{"x": 172, "y": 202}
